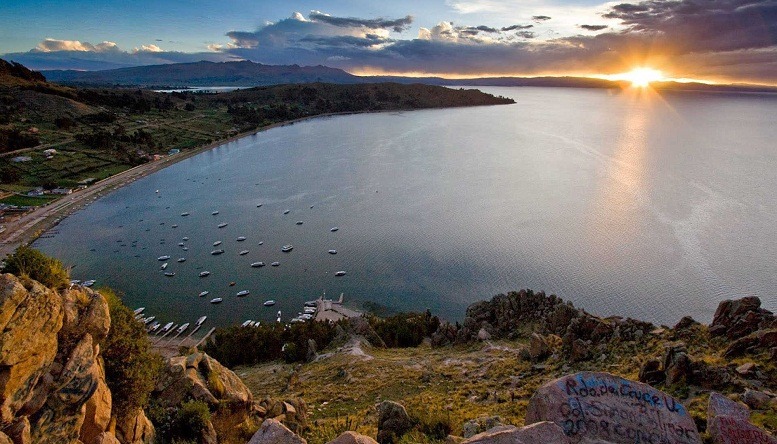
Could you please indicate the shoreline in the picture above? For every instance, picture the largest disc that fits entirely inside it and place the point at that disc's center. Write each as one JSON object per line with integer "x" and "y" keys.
{"x": 27, "y": 228}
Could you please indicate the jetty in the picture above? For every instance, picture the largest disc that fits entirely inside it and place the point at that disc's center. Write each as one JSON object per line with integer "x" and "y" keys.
{"x": 333, "y": 311}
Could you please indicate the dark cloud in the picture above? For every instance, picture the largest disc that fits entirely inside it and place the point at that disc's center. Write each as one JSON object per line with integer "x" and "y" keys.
{"x": 397, "y": 25}
{"x": 526, "y": 34}
{"x": 540, "y": 18}
{"x": 594, "y": 27}
{"x": 486, "y": 29}
{"x": 243, "y": 39}
{"x": 514, "y": 27}
{"x": 367, "y": 41}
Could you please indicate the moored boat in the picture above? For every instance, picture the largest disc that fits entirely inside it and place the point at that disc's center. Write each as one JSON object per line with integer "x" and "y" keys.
{"x": 163, "y": 258}
{"x": 287, "y": 248}
{"x": 217, "y": 243}
{"x": 216, "y": 300}
{"x": 333, "y": 229}
{"x": 201, "y": 320}
{"x": 332, "y": 251}
{"x": 204, "y": 293}
{"x": 217, "y": 252}
{"x": 169, "y": 273}
{"x": 184, "y": 214}
{"x": 340, "y": 273}
{"x": 204, "y": 273}
{"x": 88, "y": 283}
{"x": 242, "y": 293}
{"x": 257, "y": 264}
{"x": 223, "y": 224}
{"x": 269, "y": 303}
{"x": 181, "y": 259}
{"x": 182, "y": 328}
{"x": 241, "y": 238}
{"x": 275, "y": 264}
{"x": 243, "y": 253}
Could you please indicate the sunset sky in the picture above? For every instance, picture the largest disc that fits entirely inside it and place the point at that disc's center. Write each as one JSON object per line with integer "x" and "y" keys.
{"x": 714, "y": 40}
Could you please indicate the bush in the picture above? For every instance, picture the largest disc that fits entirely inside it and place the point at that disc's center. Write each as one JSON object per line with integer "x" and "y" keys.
{"x": 31, "y": 263}
{"x": 131, "y": 367}
{"x": 191, "y": 419}
{"x": 405, "y": 329}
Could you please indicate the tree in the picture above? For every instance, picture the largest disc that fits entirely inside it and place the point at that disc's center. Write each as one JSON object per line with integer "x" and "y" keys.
{"x": 31, "y": 263}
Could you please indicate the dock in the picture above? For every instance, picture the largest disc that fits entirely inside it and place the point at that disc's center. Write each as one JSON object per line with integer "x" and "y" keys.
{"x": 333, "y": 311}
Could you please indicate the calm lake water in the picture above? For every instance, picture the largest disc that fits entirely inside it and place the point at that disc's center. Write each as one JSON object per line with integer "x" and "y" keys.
{"x": 650, "y": 207}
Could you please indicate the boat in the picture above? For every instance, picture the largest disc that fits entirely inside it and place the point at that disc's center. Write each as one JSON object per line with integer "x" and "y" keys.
{"x": 311, "y": 304}
{"x": 275, "y": 264}
{"x": 216, "y": 300}
{"x": 204, "y": 293}
{"x": 201, "y": 320}
{"x": 184, "y": 214}
{"x": 245, "y": 324}
{"x": 296, "y": 320}
{"x": 185, "y": 248}
{"x": 332, "y": 251}
{"x": 269, "y": 303}
{"x": 214, "y": 213}
{"x": 241, "y": 238}
{"x": 139, "y": 310}
{"x": 242, "y": 293}
{"x": 217, "y": 252}
{"x": 310, "y": 310}
{"x": 75, "y": 281}
{"x": 175, "y": 225}
{"x": 299, "y": 222}
{"x": 167, "y": 327}
{"x": 157, "y": 191}
{"x": 261, "y": 242}
{"x": 182, "y": 328}
{"x": 185, "y": 239}
{"x": 149, "y": 319}
{"x": 88, "y": 283}
{"x": 286, "y": 211}
{"x": 287, "y": 248}
{"x": 223, "y": 224}
{"x": 169, "y": 273}
{"x": 217, "y": 243}
{"x": 306, "y": 317}
{"x": 232, "y": 284}
{"x": 163, "y": 258}
{"x": 181, "y": 259}
{"x": 333, "y": 229}
{"x": 204, "y": 273}
{"x": 340, "y": 273}
{"x": 154, "y": 327}
{"x": 164, "y": 266}
{"x": 278, "y": 319}
{"x": 257, "y": 264}
{"x": 259, "y": 206}
{"x": 181, "y": 244}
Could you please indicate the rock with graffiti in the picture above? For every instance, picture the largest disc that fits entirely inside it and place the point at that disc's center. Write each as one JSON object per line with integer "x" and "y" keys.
{"x": 607, "y": 407}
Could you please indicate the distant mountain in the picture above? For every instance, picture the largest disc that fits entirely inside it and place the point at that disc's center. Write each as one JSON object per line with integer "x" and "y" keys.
{"x": 248, "y": 74}
{"x": 203, "y": 73}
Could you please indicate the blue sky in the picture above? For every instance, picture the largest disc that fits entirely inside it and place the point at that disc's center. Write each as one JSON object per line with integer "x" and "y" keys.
{"x": 726, "y": 40}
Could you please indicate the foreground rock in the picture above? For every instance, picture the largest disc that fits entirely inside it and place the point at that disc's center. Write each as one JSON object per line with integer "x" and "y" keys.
{"x": 393, "y": 422}
{"x": 352, "y": 438}
{"x": 273, "y": 432}
{"x": 728, "y": 422}
{"x": 602, "y": 406}
{"x": 52, "y": 382}
{"x": 539, "y": 433}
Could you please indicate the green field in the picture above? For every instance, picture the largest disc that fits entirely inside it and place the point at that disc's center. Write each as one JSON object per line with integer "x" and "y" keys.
{"x": 28, "y": 201}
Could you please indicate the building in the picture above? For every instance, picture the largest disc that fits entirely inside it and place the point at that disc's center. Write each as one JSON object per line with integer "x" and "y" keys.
{"x": 62, "y": 191}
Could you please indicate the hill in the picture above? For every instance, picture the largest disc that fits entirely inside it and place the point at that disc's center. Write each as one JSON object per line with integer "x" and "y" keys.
{"x": 204, "y": 73}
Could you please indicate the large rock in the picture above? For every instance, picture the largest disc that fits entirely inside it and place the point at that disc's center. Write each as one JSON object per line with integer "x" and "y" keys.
{"x": 352, "y": 438}
{"x": 602, "y": 406}
{"x": 480, "y": 425}
{"x": 538, "y": 347}
{"x": 200, "y": 377}
{"x": 731, "y": 430}
{"x": 741, "y": 317}
{"x": 97, "y": 413}
{"x": 135, "y": 428}
{"x": 393, "y": 421}
{"x": 273, "y": 432}
{"x": 720, "y": 405}
{"x": 291, "y": 412}
{"x": 30, "y": 318}
{"x": 538, "y": 433}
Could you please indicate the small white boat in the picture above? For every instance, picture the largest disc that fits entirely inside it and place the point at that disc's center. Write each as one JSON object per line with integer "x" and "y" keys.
{"x": 204, "y": 293}
{"x": 157, "y": 191}
{"x": 181, "y": 259}
{"x": 201, "y": 320}
{"x": 167, "y": 327}
{"x": 259, "y": 206}
{"x": 332, "y": 251}
{"x": 278, "y": 319}
{"x": 217, "y": 243}
{"x": 164, "y": 266}
{"x": 275, "y": 264}
{"x": 245, "y": 324}
{"x": 216, "y": 300}
{"x": 299, "y": 222}
{"x": 309, "y": 310}
{"x": 169, "y": 273}
{"x": 311, "y": 304}
{"x": 184, "y": 214}
{"x": 257, "y": 264}
{"x": 175, "y": 225}
{"x": 261, "y": 242}
{"x": 242, "y": 293}
{"x": 181, "y": 244}
{"x": 185, "y": 239}
{"x": 269, "y": 303}
{"x": 75, "y": 281}
{"x": 182, "y": 328}
{"x": 149, "y": 319}
{"x": 296, "y": 320}
{"x": 163, "y": 258}
{"x": 214, "y": 213}
{"x": 88, "y": 283}
{"x": 287, "y": 248}
{"x": 286, "y": 211}
{"x": 154, "y": 327}
{"x": 204, "y": 273}
{"x": 306, "y": 317}
{"x": 139, "y": 310}
{"x": 243, "y": 253}
{"x": 333, "y": 229}
{"x": 185, "y": 248}
{"x": 241, "y": 239}
{"x": 340, "y": 273}
{"x": 223, "y": 224}
{"x": 217, "y": 252}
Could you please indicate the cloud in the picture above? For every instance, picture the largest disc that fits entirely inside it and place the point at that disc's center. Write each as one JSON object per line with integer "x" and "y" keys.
{"x": 148, "y": 48}
{"x": 540, "y": 18}
{"x": 398, "y": 25}
{"x": 52, "y": 45}
{"x": 594, "y": 27}
{"x": 514, "y": 27}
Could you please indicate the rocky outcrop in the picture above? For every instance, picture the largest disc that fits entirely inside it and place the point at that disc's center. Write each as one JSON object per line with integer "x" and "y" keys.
{"x": 728, "y": 422}
{"x": 738, "y": 318}
{"x": 135, "y": 428}
{"x": 538, "y": 433}
{"x": 352, "y": 438}
{"x": 393, "y": 421}
{"x": 273, "y": 432}
{"x": 52, "y": 383}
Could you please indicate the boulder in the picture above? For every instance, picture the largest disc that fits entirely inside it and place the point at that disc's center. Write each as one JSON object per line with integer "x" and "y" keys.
{"x": 759, "y": 340}
{"x": 291, "y": 412}
{"x": 352, "y": 438}
{"x": 104, "y": 438}
{"x": 538, "y": 433}
{"x": 393, "y": 421}
{"x": 480, "y": 425}
{"x": 200, "y": 377}
{"x": 685, "y": 323}
{"x": 135, "y": 429}
{"x": 756, "y": 399}
{"x": 30, "y": 318}
{"x": 651, "y": 373}
{"x": 732, "y": 430}
{"x": 483, "y": 335}
{"x": 273, "y": 432}
{"x": 538, "y": 347}
{"x": 4, "y": 439}
{"x": 720, "y": 405}
{"x": 677, "y": 363}
{"x": 738, "y": 318}
{"x": 97, "y": 414}
{"x": 602, "y": 406}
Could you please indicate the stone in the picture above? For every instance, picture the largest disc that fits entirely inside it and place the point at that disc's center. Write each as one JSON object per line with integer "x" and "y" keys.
{"x": 538, "y": 347}
{"x": 738, "y": 318}
{"x": 677, "y": 363}
{"x": 480, "y": 425}
{"x": 393, "y": 421}
{"x": 580, "y": 351}
{"x": 759, "y": 340}
{"x": 720, "y": 405}
{"x": 537, "y": 433}
{"x": 104, "y": 438}
{"x": 352, "y": 438}
{"x": 756, "y": 399}
{"x": 745, "y": 368}
{"x": 310, "y": 353}
{"x": 135, "y": 429}
{"x": 602, "y": 406}
{"x": 4, "y": 439}
{"x": 685, "y": 323}
{"x": 97, "y": 414}
{"x": 731, "y": 430}
{"x": 273, "y": 432}
{"x": 483, "y": 335}
{"x": 19, "y": 431}
{"x": 651, "y": 373}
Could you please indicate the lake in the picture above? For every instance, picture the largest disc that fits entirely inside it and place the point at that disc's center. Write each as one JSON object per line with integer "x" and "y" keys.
{"x": 639, "y": 205}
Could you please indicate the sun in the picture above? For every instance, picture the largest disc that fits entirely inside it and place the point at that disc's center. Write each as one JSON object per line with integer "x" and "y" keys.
{"x": 642, "y": 77}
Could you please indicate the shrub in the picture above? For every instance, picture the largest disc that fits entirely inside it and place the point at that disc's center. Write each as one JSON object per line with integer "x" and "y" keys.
{"x": 190, "y": 420}
{"x": 31, "y": 263}
{"x": 405, "y": 329}
{"x": 131, "y": 367}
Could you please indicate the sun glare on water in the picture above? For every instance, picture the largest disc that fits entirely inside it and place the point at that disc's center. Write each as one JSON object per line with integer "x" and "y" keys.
{"x": 642, "y": 77}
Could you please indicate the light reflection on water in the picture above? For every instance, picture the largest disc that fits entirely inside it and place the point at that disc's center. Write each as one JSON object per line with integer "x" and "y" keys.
{"x": 625, "y": 205}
